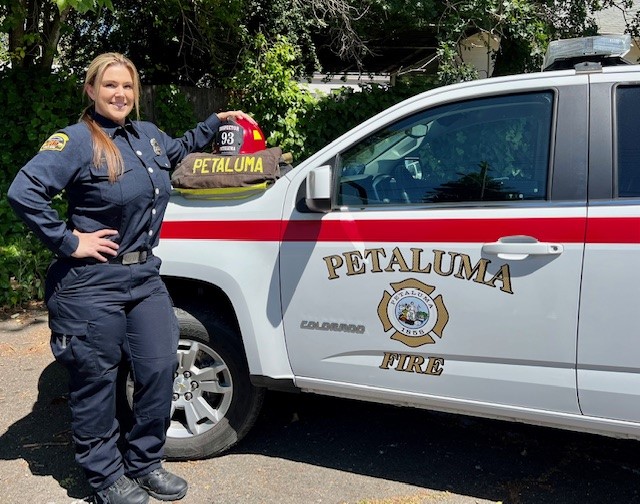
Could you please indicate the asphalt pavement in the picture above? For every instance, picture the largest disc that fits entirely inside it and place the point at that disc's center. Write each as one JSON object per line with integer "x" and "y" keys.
{"x": 309, "y": 449}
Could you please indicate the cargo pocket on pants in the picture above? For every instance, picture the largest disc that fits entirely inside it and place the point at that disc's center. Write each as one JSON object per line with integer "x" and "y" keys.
{"x": 70, "y": 346}
{"x": 91, "y": 394}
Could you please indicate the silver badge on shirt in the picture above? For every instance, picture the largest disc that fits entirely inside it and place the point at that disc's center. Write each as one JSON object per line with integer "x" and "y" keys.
{"x": 156, "y": 146}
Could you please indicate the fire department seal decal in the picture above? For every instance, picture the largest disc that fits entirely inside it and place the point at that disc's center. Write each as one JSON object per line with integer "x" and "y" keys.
{"x": 416, "y": 316}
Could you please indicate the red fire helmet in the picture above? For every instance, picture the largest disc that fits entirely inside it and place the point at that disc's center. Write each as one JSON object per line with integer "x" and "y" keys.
{"x": 239, "y": 136}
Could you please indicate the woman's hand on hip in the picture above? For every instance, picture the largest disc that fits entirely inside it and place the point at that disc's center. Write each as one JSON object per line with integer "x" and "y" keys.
{"x": 96, "y": 245}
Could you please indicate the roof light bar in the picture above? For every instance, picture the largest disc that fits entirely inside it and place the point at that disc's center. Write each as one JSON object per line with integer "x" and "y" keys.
{"x": 607, "y": 46}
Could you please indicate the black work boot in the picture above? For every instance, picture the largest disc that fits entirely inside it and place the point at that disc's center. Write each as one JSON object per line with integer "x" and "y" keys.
{"x": 122, "y": 491}
{"x": 163, "y": 485}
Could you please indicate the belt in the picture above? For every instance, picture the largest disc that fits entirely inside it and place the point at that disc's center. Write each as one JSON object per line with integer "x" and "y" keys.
{"x": 139, "y": 256}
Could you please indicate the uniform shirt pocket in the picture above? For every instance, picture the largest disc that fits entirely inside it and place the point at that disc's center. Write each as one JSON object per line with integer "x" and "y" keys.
{"x": 120, "y": 192}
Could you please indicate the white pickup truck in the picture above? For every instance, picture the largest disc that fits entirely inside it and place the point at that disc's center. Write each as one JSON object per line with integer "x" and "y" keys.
{"x": 474, "y": 249}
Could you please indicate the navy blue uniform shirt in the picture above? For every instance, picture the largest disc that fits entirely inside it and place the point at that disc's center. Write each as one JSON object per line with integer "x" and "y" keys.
{"x": 134, "y": 205}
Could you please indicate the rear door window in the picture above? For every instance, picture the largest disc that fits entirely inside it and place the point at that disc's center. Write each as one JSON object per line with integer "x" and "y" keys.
{"x": 627, "y": 149}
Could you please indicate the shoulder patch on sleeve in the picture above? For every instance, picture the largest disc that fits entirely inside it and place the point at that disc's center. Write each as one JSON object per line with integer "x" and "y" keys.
{"x": 55, "y": 142}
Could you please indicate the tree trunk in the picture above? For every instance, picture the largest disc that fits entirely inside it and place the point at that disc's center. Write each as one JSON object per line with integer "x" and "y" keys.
{"x": 54, "y": 19}
{"x": 17, "y": 8}
{"x": 31, "y": 42}
{"x": 35, "y": 33}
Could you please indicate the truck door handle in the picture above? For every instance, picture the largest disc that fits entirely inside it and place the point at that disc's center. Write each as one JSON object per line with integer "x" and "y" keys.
{"x": 519, "y": 247}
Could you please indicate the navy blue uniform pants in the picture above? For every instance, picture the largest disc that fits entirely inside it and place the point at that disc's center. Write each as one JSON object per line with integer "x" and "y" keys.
{"x": 99, "y": 315}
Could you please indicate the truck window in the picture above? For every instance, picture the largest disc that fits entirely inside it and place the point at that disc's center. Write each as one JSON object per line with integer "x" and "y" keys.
{"x": 627, "y": 148}
{"x": 490, "y": 149}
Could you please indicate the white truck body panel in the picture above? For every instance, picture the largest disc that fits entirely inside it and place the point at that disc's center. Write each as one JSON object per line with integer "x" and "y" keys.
{"x": 546, "y": 338}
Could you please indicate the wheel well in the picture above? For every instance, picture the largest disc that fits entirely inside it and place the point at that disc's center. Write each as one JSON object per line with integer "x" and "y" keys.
{"x": 187, "y": 292}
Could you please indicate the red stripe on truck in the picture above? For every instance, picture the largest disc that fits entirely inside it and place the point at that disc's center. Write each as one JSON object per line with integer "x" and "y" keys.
{"x": 553, "y": 229}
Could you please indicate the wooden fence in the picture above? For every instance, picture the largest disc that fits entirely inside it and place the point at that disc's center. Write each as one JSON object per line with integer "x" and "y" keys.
{"x": 205, "y": 101}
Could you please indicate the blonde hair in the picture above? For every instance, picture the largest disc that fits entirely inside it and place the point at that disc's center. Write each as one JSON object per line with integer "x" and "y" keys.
{"x": 104, "y": 150}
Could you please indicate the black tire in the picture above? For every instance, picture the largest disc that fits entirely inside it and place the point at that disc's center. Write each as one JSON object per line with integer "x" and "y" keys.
{"x": 214, "y": 403}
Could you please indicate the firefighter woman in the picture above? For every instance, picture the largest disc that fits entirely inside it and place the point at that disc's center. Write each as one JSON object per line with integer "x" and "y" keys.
{"x": 104, "y": 294}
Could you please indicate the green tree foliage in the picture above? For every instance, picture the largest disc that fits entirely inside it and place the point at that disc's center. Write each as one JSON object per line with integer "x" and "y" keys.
{"x": 352, "y": 27}
{"x": 266, "y": 87}
{"x": 523, "y": 27}
{"x": 631, "y": 16}
{"x": 189, "y": 42}
{"x": 173, "y": 113}
{"x": 185, "y": 42}
{"x": 345, "y": 108}
{"x": 34, "y": 28}
{"x": 35, "y": 105}
{"x": 292, "y": 20}
{"x": 199, "y": 41}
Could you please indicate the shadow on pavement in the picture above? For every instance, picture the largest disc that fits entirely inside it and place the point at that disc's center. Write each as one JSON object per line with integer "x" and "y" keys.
{"x": 488, "y": 459}
{"x": 43, "y": 437}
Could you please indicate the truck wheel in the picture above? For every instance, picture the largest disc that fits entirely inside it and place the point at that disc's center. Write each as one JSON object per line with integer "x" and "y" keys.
{"x": 214, "y": 403}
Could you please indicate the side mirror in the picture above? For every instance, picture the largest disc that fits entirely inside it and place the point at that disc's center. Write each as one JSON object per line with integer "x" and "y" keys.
{"x": 318, "y": 198}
